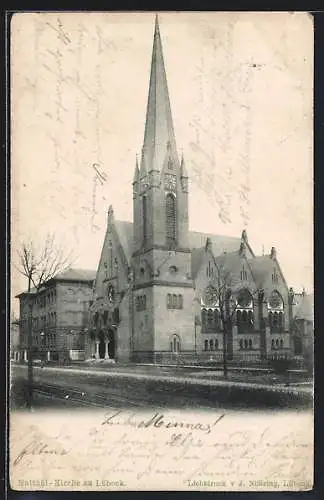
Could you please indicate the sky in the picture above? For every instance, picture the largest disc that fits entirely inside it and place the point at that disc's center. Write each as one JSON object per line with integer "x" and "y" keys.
{"x": 241, "y": 91}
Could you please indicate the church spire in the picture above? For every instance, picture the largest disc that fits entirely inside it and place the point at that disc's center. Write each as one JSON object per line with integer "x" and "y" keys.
{"x": 136, "y": 173}
{"x": 159, "y": 124}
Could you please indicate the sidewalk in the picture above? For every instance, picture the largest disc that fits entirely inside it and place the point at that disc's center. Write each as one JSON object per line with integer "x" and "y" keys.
{"x": 209, "y": 380}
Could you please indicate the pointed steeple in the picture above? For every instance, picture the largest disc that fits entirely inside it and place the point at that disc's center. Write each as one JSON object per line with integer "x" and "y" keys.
{"x": 136, "y": 173}
{"x": 183, "y": 169}
{"x": 159, "y": 130}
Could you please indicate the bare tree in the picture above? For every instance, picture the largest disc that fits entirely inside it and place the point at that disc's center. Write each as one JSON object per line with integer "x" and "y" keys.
{"x": 225, "y": 288}
{"x": 39, "y": 265}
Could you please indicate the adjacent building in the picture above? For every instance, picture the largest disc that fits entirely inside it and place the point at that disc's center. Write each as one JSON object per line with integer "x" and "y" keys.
{"x": 157, "y": 293}
{"x": 58, "y": 312}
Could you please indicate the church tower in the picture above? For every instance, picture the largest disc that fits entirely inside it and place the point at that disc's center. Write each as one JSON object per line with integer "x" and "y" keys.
{"x": 161, "y": 262}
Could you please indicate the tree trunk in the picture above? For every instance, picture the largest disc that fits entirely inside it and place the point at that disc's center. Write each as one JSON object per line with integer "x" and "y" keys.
{"x": 225, "y": 367}
{"x": 30, "y": 353}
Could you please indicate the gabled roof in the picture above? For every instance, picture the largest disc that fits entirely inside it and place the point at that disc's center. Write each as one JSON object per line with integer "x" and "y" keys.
{"x": 125, "y": 233}
{"x": 305, "y": 309}
{"x": 219, "y": 243}
{"x": 197, "y": 257}
{"x": 72, "y": 274}
{"x": 261, "y": 266}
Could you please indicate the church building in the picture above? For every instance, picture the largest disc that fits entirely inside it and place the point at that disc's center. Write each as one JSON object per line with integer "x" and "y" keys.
{"x": 165, "y": 294}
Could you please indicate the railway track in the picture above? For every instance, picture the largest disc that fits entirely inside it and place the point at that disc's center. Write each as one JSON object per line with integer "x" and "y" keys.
{"x": 86, "y": 399}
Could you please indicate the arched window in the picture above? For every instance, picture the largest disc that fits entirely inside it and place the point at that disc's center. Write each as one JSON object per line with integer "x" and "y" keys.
{"x": 210, "y": 320}
{"x": 216, "y": 320}
{"x": 280, "y": 321}
{"x": 175, "y": 344}
{"x": 110, "y": 256}
{"x": 277, "y": 343}
{"x": 241, "y": 344}
{"x": 216, "y": 344}
{"x": 203, "y": 320}
{"x": 250, "y": 320}
{"x": 272, "y": 344}
{"x": 281, "y": 344}
{"x": 144, "y": 203}
{"x": 206, "y": 345}
{"x": 250, "y": 343}
{"x": 170, "y": 213}
{"x": 244, "y": 320}
{"x": 211, "y": 344}
{"x": 245, "y": 344}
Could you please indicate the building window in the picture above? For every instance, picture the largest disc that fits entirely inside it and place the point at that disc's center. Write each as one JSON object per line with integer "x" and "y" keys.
{"x": 141, "y": 303}
{"x": 170, "y": 214}
{"x": 210, "y": 270}
{"x": 216, "y": 344}
{"x": 174, "y": 301}
{"x": 243, "y": 274}
{"x": 210, "y": 320}
{"x": 206, "y": 345}
{"x": 144, "y": 204}
{"x": 175, "y": 344}
{"x": 275, "y": 277}
{"x": 211, "y": 344}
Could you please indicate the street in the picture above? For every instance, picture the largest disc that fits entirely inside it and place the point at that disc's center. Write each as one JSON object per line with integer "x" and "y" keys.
{"x": 149, "y": 387}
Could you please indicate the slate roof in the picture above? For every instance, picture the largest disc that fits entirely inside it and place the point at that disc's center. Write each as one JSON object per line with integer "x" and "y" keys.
{"x": 72, "y": 274}
{"x": 125, "y": 233}
{"x": 261, "y": 266}
{"x": 219, "y": 243}
{"x": 305, "y": 309}
{"x": 197, "y": 242}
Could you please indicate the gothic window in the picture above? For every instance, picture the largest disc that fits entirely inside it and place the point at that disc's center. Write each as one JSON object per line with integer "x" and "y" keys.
{"x": 216, "y": 344}
{"x": 275, "y": 301}
{"x": 110, "y": 256}
{"x": 244, "y": 299}
{"x": 211, "y": 344}
{"x": 243, "y": 274}
{"x": 250, "y": 343}
{"x": 144, "y": 202}
{"x": 209, "y": 270}
{"x": 216, "y": 319}
{"x": 275, "y": 278}
{"x": 203, "y": 320}
{"x": 210, "y": 320}
{"x": 175, "y": 344}
{"x": 241, "y": 344}
{"x": 281, "y": 344}
{"x": 170, "y": 211}
{"x": 210, "y": 296}
{"x": 272, "y": 344}
{"x": 245, "y": 344}
{"x": 206, "y": 345}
